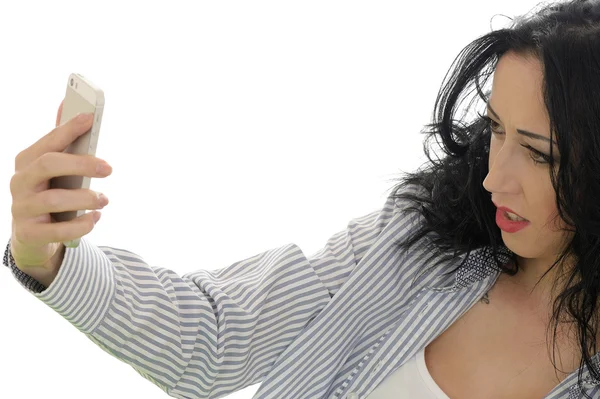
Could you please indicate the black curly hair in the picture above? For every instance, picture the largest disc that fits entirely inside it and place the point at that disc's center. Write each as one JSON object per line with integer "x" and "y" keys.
{"x": 565, "y": 38}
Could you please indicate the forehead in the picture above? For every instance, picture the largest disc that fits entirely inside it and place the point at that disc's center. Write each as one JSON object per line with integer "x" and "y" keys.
{"x": 517, "y": 78}
{"x": 517, "y": 93}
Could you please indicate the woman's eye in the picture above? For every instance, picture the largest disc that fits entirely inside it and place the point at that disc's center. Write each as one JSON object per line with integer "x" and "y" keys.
{"x": 493, "y": 124}
{"x": 537, "y": 157}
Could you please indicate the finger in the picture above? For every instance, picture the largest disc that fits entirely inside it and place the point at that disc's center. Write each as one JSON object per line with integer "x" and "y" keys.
{"x": 56, "y": 200}
{"x": 44, "y": 233}
{"x": 54, "y": 164}
{"x": 59, "y": 113}
{"x": 55, "y": 141}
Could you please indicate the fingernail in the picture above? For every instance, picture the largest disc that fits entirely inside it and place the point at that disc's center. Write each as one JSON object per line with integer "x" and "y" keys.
{"x": 81, "y": 118}
{"x": 102, "y": 198}
{"x": 102, "y": 168}
{"x": 96, "y": 216}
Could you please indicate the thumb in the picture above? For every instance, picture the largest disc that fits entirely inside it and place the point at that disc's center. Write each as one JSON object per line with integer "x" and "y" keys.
{"x": 59, "y": 114}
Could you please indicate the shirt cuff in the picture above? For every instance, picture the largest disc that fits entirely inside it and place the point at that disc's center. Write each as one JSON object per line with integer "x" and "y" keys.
{"x": 83, "y": 289}
{"x": 28, "y": 282}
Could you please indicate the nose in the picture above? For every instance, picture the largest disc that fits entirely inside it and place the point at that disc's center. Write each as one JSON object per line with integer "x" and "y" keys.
{"x": 504, "y": 170}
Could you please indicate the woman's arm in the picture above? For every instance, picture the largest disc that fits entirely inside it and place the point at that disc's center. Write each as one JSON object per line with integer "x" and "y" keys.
{"x": 206, "y": 333}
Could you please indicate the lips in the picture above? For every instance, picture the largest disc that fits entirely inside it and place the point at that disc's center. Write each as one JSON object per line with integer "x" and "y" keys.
{"x": 507, "y": 225}
{"x": 505, "y": 209}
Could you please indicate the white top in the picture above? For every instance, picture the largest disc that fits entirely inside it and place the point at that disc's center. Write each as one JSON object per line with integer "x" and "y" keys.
{"x": 411, "y": 380}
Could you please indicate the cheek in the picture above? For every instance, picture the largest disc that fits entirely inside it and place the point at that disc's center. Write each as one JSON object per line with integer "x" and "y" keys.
{"x": 541, "y": 198}
{"x": 552, "y": 232}
{"x": 554, "y": 221}
{"x": 545, "y": 234}
{"x": 550, "y": 225}
{"x": 548, "y": 216}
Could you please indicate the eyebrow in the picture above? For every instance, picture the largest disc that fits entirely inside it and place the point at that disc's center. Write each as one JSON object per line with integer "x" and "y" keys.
{"x": 523, "y": 132}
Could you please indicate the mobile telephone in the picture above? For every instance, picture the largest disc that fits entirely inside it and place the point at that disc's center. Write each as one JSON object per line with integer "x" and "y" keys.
{"x": 81, "y": 96}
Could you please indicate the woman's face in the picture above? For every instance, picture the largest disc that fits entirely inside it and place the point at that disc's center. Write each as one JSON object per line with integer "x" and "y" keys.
{"x": 514, "y": 179}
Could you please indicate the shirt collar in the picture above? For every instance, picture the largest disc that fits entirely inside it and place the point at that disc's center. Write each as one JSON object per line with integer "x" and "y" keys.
{"x": 480, "y": 264}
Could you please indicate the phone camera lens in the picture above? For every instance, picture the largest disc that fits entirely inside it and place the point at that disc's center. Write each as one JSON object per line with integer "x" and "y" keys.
{"x": 71, "y": 81}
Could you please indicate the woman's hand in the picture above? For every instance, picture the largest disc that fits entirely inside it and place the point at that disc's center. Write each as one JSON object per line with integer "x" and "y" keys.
{"x": 36, "y": 241}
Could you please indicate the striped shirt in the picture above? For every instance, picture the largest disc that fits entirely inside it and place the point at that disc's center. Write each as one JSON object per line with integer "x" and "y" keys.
{"x": 330, "y": 325}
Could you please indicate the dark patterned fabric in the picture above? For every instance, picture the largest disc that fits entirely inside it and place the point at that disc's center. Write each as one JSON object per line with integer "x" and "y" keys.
{"x": 24, "y": 278}
{"x": 481, "y": 264}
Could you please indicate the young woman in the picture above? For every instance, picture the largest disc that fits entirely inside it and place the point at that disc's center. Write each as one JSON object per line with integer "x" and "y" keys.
{"x": 478, "y": 278}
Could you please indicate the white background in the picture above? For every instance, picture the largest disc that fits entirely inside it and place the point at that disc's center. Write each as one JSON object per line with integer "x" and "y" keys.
{"x": 232, "y": 128}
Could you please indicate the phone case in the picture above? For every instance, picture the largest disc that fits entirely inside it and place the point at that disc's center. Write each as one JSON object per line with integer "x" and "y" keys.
{"x": 81, "y": 96}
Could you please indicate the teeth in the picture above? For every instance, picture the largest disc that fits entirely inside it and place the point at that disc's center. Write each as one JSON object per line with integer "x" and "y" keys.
{"x": 514, "y": 217}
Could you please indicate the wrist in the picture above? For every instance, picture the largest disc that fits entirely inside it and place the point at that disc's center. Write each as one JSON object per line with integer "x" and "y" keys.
{"x": 47, "y": 273}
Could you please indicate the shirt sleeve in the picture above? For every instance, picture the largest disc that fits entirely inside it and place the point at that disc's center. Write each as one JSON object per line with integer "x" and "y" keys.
{"x": 204, "y": 334}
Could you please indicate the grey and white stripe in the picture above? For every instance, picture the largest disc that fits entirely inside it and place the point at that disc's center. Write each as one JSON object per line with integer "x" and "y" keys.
{"x": 330, "y": 325}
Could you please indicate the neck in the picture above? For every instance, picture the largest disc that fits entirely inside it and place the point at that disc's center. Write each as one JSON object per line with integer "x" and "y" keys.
{"x": 529, "y": 277}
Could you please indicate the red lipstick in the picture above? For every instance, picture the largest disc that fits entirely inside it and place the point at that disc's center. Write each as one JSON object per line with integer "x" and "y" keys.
{"x": 507, "y": 225}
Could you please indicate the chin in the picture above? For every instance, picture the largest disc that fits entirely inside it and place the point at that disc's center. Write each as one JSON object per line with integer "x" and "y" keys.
{"x": 516, "y": 246}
